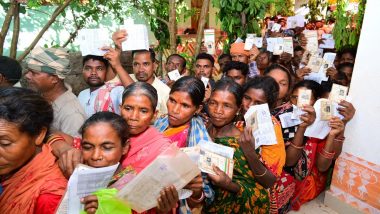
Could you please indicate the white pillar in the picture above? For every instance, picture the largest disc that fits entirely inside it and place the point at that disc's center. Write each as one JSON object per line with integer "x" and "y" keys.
{"x": 356, "y": 179}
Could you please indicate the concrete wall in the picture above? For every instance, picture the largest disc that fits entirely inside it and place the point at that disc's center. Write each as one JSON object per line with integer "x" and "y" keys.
{"x": 356, "y": 178}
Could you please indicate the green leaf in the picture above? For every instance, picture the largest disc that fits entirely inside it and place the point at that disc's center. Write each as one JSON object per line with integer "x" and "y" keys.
{"x": 239, "y": 7}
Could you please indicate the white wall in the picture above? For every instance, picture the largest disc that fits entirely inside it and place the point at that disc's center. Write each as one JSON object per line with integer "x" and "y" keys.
{"x": 363, "y": 132}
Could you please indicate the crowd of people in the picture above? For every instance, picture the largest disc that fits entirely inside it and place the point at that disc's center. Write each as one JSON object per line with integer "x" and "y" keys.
{"x": 131, "y": 118}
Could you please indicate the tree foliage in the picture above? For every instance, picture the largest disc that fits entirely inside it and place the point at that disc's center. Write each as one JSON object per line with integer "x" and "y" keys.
{"x": 84, "y": 12}
{"x": 239, "y": 17}
{"x": 347, "y": 25}
{"x": 315, "y": 9}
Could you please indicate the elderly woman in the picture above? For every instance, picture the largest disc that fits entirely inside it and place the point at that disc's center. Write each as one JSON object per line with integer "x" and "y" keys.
{"x": 30, "y": 179}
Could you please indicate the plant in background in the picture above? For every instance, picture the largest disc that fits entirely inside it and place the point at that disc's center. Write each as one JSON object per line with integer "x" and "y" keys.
{"x": 84, "y": 12}
{"x": 315, "y": 9}
{"x": 347, "y": 25}
{"x": 239, "y": 17}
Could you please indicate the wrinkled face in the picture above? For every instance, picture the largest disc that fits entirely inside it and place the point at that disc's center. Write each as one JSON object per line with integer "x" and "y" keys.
{"x": 347, "y": 57}
{"x": 239, "y": 57}
{"x": 101, "y": 145}
{"x": 237, "y": 76}
{"x": 222, "y": 62}
{"x": 16, "y": 148}
{"x": 137, "y": 110}
{"x": 180, "y": 108}
{"x": 295, "y": 93}
{"x": 203, "y": 68}
{"x": 222, "y": 108}
{"x": 173, "y": 63}
{"x": 262, "y": 61}
{"x": 253, "y": 97}
{"x": 297, "y": 57}
{"x": 143, "y": 67}
{"x": 40, "y": 81}
{"x": 282, "y": 79}
{"x": 94, "y": 72}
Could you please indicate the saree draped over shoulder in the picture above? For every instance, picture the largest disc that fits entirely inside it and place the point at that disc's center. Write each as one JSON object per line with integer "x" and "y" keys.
{"x": 36, "y": 188}
{"x": 144, "y": 148}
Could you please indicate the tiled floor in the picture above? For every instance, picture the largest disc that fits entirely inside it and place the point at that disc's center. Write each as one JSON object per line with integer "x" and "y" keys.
{"x": 315, "y": 207}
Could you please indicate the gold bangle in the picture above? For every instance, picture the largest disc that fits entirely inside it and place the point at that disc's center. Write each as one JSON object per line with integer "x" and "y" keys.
{"x": 296, "y": 147}
{"x": 266, "y": 170}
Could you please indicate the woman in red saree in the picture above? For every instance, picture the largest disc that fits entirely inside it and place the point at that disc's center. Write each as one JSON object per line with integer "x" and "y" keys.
{"x": 30, "y": 179}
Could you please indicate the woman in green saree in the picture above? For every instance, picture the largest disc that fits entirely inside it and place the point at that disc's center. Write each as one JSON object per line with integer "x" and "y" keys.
{"x": 247, "y": 191}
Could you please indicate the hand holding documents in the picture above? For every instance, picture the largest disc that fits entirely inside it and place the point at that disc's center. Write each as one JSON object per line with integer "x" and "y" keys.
{"x": 324, "y": 109}
{"x": 172, "y": 167}
{"x": 264, "y": 134}
{"x": 84, "y": 181}
{"x": 218, "y": 155}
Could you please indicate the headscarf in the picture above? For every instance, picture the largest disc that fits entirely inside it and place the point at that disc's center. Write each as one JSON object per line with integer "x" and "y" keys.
{"x": 54, "y": 61}
{"x": 238, "y": 48}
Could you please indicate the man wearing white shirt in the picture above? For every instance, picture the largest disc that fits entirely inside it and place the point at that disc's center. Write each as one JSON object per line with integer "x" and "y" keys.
{"x": 100, "y": 96}
{"x": 144, "y": 67}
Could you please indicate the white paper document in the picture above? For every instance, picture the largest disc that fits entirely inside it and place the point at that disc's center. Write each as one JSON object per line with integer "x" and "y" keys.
{"x": 288, "y": 120}
{"x": 249, "y": 41}
{"x": 91, "y": 41}
{"x": 320, "y": 128}
{"x": 205, "y": 81}
{"x": 274, "y": 43}
{"x": 295, "y": 21}
{"x": 215, "y": 154}
{"x": 338, "y": 93}
{"x": 276, "y": 27}
{"x": 312, "y": 40}
{"x": 264, "y": 134}
{"x": 174, "y": 75}
{"x": 84, "y": 181}
{"x": 172, "y": 167}
{"x": 288, "y": 45}
{"x": 328, "y": 41}
{"x": 328, "y": 61}
{"x": 137, "y": 38}
{"x": 258, "y": 42}
{"x": 209, "y": 38}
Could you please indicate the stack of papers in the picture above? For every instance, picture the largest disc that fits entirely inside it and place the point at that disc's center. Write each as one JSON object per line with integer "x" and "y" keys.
{"x": 172, "y": 167}
{"x": 84, "y": 181}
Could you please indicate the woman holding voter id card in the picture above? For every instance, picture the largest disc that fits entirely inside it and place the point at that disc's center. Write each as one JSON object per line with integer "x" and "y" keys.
{"x": 247, "y": 190}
